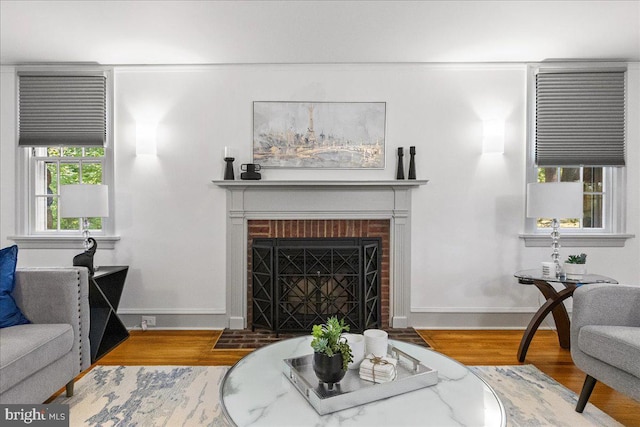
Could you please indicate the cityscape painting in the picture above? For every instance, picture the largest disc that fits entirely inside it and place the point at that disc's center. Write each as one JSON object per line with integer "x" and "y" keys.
{"x": 331, "y": 135}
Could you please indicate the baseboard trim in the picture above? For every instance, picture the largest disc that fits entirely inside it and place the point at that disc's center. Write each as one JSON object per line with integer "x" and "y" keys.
{"x": 475, "y": 320}
{"x": 178, "y": 321}
{"x": 206, "y": 319}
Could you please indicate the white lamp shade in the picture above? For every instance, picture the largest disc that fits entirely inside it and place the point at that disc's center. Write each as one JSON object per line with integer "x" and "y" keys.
{"x": 84, "y": 201}
{"x": 554, "y": 200}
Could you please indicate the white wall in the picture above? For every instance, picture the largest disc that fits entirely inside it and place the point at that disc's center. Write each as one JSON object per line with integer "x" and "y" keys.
{"x": 466, "y": 220}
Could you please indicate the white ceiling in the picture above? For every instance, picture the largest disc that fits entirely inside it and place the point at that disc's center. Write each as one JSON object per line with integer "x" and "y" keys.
{"x": 214, "y": 32}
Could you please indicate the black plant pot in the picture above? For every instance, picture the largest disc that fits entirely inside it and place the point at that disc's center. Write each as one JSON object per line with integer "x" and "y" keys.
{"x": 328, "y": 369}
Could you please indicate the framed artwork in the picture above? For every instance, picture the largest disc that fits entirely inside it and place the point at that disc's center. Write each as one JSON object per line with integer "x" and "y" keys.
{"x": 330, "y": 135}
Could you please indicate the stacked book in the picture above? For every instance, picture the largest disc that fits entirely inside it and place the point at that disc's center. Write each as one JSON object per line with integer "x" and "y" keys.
{"x": 378, "y": 369}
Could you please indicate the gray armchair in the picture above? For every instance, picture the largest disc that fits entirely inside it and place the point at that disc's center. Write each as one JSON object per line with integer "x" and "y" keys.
{"x": 39, "y": 358}
{"x": 605, "y": 338}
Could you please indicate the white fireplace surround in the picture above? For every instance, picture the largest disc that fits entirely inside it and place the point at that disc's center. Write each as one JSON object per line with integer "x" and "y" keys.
{"x": 248, "y": 200}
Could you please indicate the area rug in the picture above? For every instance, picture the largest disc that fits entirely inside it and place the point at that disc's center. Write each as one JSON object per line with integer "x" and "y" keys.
{"x": 246, "y": 338}
{"x": 532, "y": 398}
{"x": 147, "y": 396}
{"x": 189, "y": 396}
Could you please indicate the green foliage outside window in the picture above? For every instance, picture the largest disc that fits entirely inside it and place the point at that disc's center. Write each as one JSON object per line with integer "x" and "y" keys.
{"x": 71, "y": 165}
{"x": 592, "y": 181}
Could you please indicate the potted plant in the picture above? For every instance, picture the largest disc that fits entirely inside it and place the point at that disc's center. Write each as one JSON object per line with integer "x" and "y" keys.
{"x": 576, "y": 266}
{"x": 332, "y": 352}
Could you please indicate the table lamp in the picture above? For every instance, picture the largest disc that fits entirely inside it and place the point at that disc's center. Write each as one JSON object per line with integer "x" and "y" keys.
{"x": 84, "y": 201}
{"x": 555, "y": 200}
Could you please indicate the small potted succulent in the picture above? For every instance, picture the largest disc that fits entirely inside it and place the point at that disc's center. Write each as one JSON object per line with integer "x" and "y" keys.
{"x": 332, "y": 352}
{"x": 576, "y": 266}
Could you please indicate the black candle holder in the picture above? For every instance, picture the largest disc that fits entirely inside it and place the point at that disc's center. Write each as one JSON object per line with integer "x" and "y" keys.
{"x": 400, "y": 171}
{"x": 412, "y": 163}
{"x": 228, "y": 172}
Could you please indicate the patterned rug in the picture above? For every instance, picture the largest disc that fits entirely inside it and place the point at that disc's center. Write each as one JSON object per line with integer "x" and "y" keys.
{"x": 246, "y": 338}
{"x": 189, "y": 396}
{"x": 532, "y": 398}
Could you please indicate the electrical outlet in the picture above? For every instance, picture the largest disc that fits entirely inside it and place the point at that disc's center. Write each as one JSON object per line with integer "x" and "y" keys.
{"x": 151, "y": 320}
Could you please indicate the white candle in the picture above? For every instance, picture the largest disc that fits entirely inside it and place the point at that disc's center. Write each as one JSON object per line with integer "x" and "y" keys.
{"x": 227, "y": 152}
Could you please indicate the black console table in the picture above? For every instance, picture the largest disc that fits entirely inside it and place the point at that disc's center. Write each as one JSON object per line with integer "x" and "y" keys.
{"x": 106, "y": 330}
{"x": 554, "y": 304}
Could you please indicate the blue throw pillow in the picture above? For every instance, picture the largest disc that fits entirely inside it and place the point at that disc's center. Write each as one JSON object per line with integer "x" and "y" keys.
{"x": 10, "y": 314}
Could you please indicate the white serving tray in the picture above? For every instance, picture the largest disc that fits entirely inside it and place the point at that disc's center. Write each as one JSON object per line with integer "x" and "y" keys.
{"x": 352, "y": 390}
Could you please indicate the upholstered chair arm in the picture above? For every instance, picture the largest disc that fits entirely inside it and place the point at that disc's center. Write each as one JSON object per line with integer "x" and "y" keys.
{"x": 606, "y": 304}
{"x": 57, "y": 295}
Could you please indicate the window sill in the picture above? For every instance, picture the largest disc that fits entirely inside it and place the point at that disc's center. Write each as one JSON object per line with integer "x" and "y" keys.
{"x": 61, "y": 242}
{"x": 577, "y": 240}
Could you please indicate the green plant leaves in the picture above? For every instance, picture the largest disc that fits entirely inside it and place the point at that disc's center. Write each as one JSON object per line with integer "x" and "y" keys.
{"x": 577, "y": 259}
{"x": 327, "y": 339}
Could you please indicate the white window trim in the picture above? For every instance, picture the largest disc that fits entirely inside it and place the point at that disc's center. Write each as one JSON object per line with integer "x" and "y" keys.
{"x": 26, "y": 237}
{"x": 614, "y": 234}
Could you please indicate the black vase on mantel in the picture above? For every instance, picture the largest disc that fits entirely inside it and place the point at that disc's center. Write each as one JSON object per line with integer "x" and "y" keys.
{"x": 400, "y": 173}
{"x": 412, "y": 163}
{"x": 228, "y": 171}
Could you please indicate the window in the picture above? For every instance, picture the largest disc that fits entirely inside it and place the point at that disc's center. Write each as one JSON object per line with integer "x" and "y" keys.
{"x": 44, "y": 170}
{"x": 56, "y": 166}
{"x": 63, "y": 138}
{"x": 577, "y": 117}
{"x": 594, "y": 196}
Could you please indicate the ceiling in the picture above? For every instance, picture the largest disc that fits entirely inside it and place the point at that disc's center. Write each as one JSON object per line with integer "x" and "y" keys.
{"x": 224, "y": 32}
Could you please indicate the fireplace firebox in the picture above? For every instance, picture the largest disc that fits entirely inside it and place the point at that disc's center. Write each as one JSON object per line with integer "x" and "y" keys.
{"x": 299, "y": 282}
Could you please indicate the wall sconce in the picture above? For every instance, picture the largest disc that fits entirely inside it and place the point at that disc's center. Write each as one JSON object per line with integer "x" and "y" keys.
{"x": 493, "y": 136}
{"x": 146, "y": 138}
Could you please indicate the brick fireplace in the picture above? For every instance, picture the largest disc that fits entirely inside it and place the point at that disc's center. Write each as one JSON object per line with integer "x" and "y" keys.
{"x": 319, "y": 209}
{"x": 314, "y": 228}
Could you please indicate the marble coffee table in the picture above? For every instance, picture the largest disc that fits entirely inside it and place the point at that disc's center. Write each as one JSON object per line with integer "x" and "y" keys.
{"x": 255, "y": 392}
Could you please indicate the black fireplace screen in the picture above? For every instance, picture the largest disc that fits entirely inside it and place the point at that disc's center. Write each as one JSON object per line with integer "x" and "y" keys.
{"x": 298, "y": 283}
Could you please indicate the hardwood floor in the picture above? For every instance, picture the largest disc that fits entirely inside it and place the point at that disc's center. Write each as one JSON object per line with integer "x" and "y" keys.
{"x": 173, "y": 348}
{"x": 486, "y": 347}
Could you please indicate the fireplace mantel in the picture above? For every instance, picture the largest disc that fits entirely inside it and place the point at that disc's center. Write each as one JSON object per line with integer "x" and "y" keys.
{"x": 319, "y": 183}
{"x": 324, "y": 199}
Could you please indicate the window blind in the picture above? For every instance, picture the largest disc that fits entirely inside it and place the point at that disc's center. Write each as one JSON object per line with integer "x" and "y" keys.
{"x": 62, "y": 110}
{"x": 580, "y": 118}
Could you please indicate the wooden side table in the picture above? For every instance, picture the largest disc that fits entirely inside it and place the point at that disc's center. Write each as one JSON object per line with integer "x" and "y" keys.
{"x": 554, "y": 304}
{"x": 106, "y": 330}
